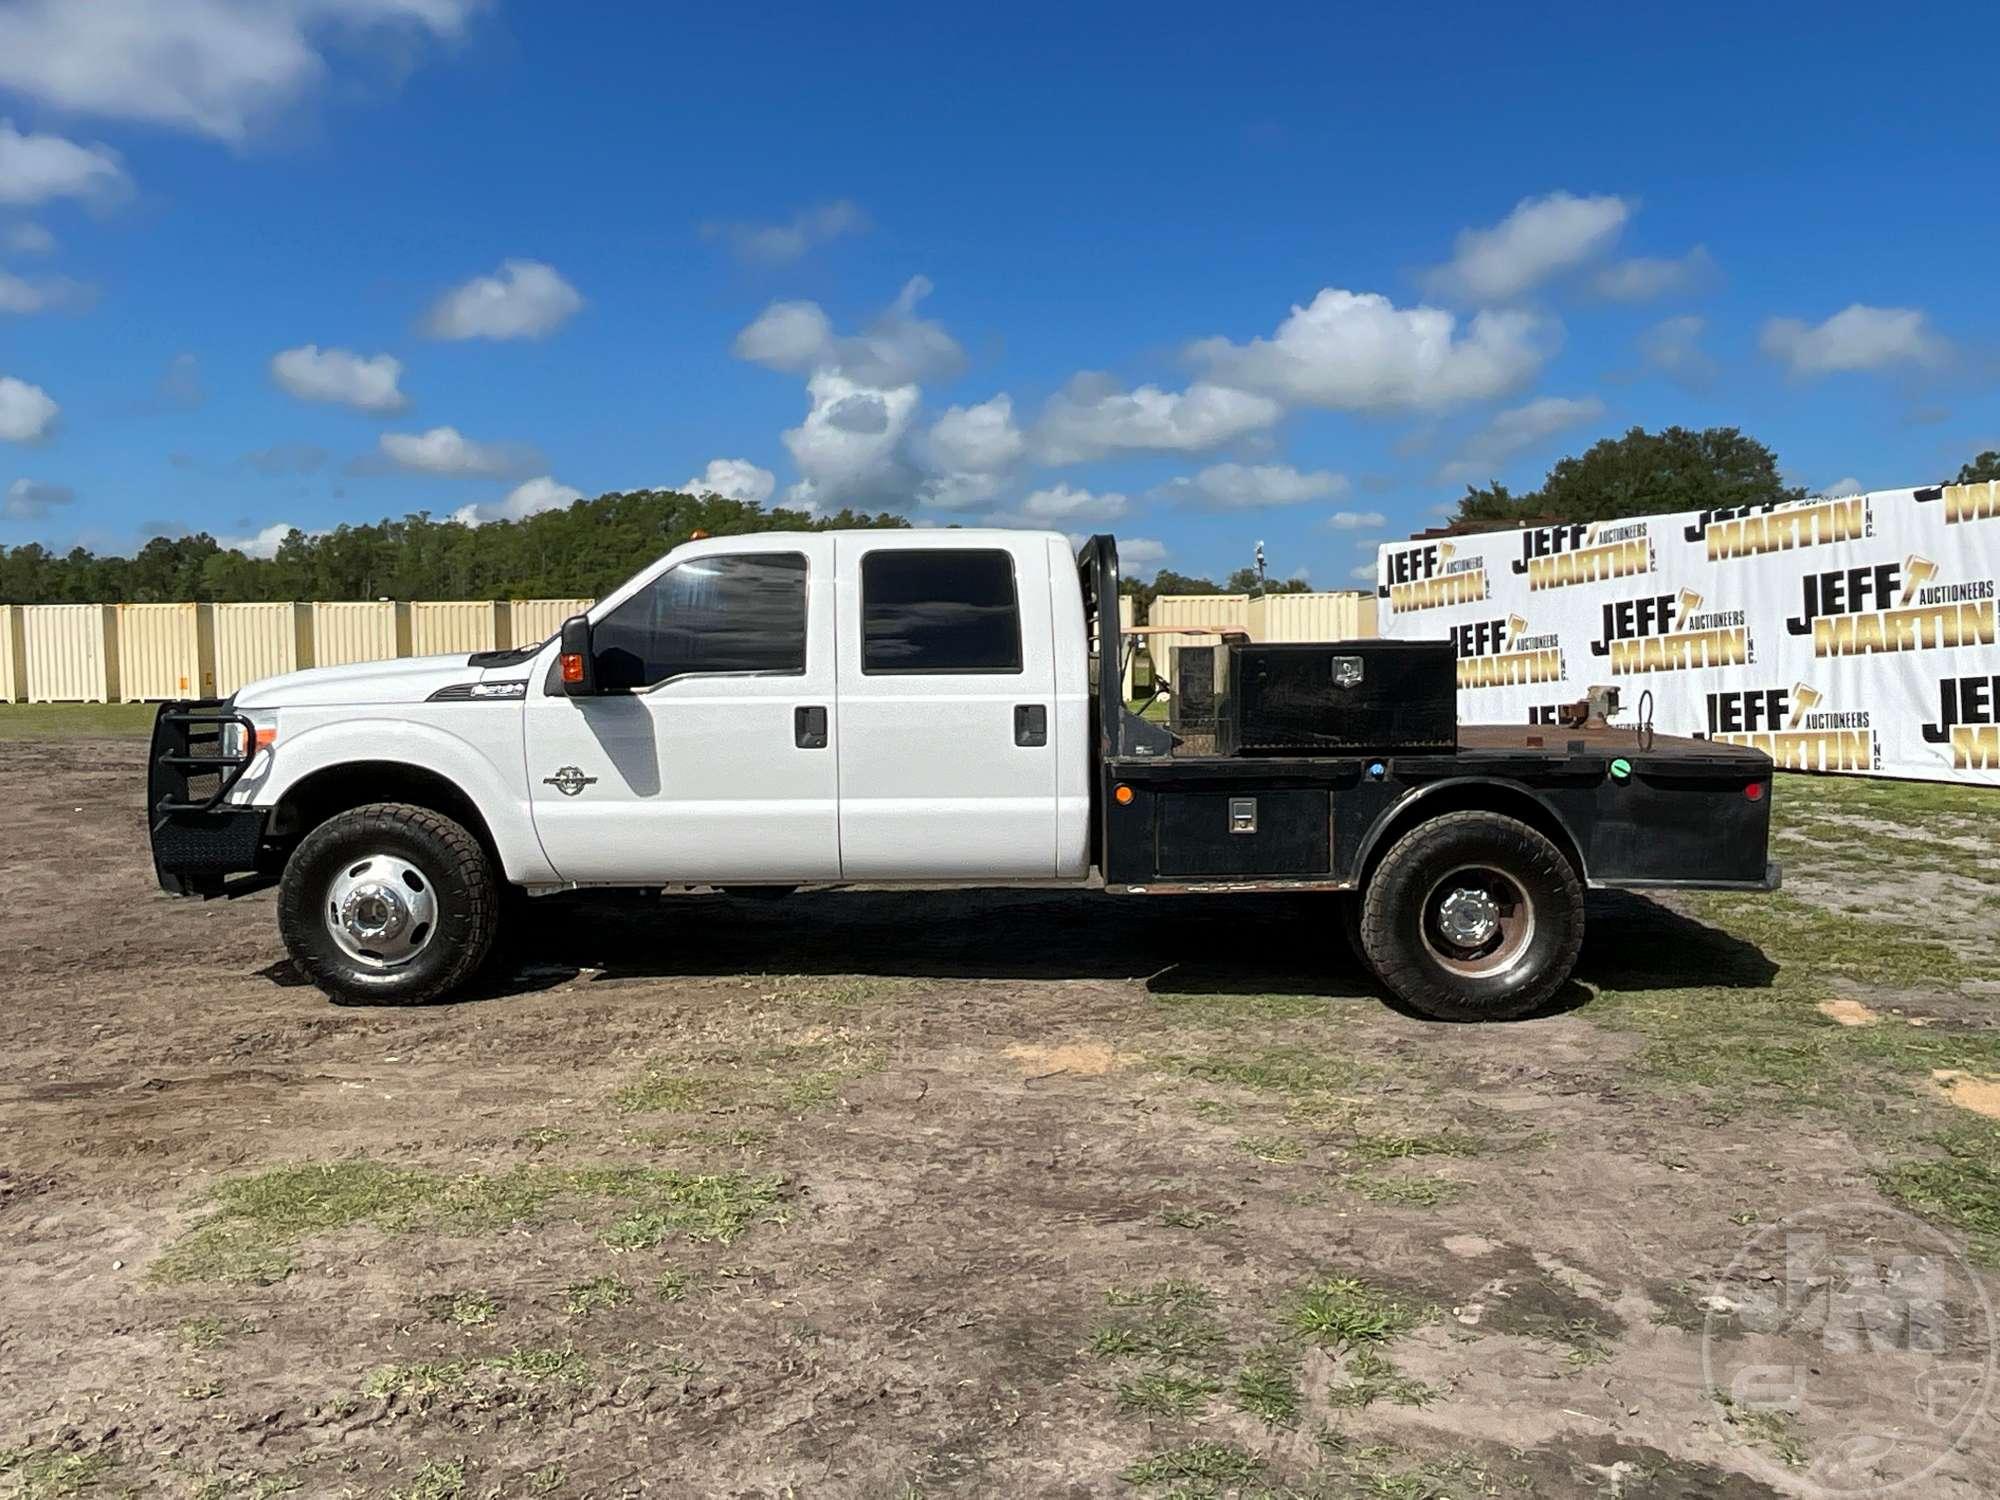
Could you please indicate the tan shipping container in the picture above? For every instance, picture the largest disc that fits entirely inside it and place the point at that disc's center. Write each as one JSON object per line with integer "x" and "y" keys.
{"x": 72, "y": 652}
{"x": 533, "y": 620}
{"x": 1229, "y": 611}
{"x": 255, "y": 641}
{"x": 165, "y": 651}
{"x": 1129, "y": 648}
{"x": 451, "y": 627}
{"x": 13, "y": 656}
{"x": 366, "y": 631}
{"x": 1345, "y": 615}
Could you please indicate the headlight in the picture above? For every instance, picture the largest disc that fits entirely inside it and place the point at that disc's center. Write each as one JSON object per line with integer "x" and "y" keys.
{"x": 238, "y": 740}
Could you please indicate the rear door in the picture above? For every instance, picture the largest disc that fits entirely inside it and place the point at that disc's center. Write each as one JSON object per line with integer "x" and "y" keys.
{"x": 948, "y": 750}
{"x": 711, "y": 755}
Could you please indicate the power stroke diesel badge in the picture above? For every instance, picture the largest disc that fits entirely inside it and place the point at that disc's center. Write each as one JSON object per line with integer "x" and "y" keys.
{"x": 569, "y": 781}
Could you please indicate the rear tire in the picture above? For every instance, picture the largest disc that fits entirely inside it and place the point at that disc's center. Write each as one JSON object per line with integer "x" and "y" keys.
{"x": 1473, "y": 917}
{"x": 388, "y": 904}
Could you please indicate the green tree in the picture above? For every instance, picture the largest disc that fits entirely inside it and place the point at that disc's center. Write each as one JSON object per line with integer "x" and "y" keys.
{"x": 1640, "y": 474}
{"x": 1981, "y": 469}
{"x": 583, "y": 550}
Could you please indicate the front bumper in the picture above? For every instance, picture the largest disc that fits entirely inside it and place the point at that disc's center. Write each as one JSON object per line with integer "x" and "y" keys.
{"x": 201, "y": 843}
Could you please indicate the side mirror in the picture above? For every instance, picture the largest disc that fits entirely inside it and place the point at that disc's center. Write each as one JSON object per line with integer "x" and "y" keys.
{"x": 576, "y": 666}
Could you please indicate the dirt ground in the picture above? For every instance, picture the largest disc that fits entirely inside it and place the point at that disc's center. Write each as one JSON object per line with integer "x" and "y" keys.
{"x": 1016, "y": 1194}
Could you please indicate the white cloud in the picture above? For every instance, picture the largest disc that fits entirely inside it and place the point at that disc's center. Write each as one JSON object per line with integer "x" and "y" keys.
{"x": 780, "y": 244}
{"x": 263, "y": 544}
{"x": 1842, "y": 489}
{"x": 524, "y": 299}
{"x": 31, "y": 499}
{"x": 1248, "y": 486}
{"x": 28, "y": 239}
{"x": 959, "y": 491}
{"x": 213, "y": 67}
{"x": 340, "y": 376}
{"x": 1511, "y": 431}
{"x": 529, "y": 498}
{"x": 1856, "y": 338}
{"x": 1645, "y": 277}
{"x": 1138, "y": 556}
{"x": 36, "y": 168}
{"x": 1062, "y": 502}
{"x": 1091, "y": 417}
{"x": 1356, "y": 520}
{"x": 898, "y": 348}
{"x": 26, "y": 411}
{"x": 978, "y": 439}
{"x": 1673, "y": 347}
{"x": 849, "y": 447}
{"x": 733, "y": 479}
{"x": 447, "y": 451}
{"x": 19, "y": 294}
{"x": 1359, "y": 352}
{"x": 1539, "y": 239}
{"x": 1364, "y": 572}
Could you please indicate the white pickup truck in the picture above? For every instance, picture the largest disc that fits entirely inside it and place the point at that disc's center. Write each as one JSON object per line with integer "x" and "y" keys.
{"x": 786, "y": 709}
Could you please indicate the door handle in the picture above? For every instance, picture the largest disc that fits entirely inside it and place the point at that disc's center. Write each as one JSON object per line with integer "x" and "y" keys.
{"x": 809, "y": 728}
{"x": 1031, "y": 724}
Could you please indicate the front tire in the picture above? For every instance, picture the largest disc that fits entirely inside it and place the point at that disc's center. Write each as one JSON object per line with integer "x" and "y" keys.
{"x": 1473, "y": 917}
{"x": 388, "y": 904}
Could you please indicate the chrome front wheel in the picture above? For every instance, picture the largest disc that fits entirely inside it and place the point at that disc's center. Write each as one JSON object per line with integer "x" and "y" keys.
{"x": 381, "y": 911}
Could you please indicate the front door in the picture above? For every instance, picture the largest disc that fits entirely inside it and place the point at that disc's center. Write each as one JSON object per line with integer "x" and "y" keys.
{"x": 948, "y": 727}
{"x": 709, "y": 755}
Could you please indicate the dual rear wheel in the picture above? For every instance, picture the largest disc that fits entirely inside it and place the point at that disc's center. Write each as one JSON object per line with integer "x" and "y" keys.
{"x": 1472, "y": 916}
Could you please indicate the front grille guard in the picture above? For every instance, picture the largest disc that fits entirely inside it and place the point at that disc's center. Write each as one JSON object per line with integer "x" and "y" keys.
{"x": 187, "y": 749}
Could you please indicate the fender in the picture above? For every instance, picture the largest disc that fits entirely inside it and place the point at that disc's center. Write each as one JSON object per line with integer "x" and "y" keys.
{"x": 1441, "y": 792}
{"x": 497, "y": 790}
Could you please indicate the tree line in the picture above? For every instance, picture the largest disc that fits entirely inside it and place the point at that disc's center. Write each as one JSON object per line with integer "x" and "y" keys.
{"x": 582, "y": 551}
{"x": 588, "y": 548}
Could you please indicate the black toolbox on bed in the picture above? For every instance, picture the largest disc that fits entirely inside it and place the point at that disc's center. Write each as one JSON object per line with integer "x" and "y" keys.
{"x": 1358, "y": 697}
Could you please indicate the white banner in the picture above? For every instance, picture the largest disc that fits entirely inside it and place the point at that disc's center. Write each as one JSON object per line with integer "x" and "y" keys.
{"x": 1852, "y": 634}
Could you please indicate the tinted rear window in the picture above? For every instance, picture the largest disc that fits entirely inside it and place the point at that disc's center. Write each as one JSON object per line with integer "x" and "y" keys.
{"x": 942, "y": 611}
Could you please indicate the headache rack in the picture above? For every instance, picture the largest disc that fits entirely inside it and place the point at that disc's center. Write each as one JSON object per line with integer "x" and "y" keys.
{"x": 198, "y": 840}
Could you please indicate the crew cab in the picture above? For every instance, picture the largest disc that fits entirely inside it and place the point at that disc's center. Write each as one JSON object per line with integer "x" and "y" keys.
{"x": 781, "y": 710}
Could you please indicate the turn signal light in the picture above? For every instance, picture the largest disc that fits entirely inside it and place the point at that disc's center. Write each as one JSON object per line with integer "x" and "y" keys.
{"x": 266, "y": 738}
{"x": 572, "y": 666}
{"x": 1122, "y": 795}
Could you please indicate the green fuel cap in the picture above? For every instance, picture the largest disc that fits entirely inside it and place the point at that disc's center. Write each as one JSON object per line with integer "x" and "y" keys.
{"x": 1621, "y": 769}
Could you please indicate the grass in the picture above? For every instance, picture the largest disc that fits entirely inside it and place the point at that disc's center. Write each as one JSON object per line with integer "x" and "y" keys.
{"x": 1169, "y": 1322}
{"x": 42, "y": 1473}
{"x": 1268, "y": 1386}
{"x": 440, "y": 1479}
{"x": 1960, "y": 1188}
{"x": 1162, "y": 1393}
{"x": 426, "y": 1380}
{"x": 1409, "y": 1192}
{"x": 469, "y": 1309}
{"x": 1281, "y": 1149}
{"x": 1197, "y": 1471}
{"x": 1296, "y": 1072}
{"x": 790, "y": 1078}
{"x": 1370, "y": 1377}
{"x": 256, "y": 1221}
{"x": 56, "y": 721}
{"x": 675, "y": 1285}
{"x": 599, "y": 1294}
{"x": 1187, "y": 1216}
{"x": 1346, "y": 1312}
{"x": 1766, "y": 1429}
{"x": 1400, "y": 1146}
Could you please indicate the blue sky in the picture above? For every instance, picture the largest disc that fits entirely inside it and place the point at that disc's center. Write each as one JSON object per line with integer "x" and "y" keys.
{"x": 1202, "y": 276}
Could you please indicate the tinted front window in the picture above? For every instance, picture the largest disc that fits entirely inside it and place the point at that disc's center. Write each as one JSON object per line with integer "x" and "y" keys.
{"x": 716, "y": 614}
{"x": 939, "y": 612}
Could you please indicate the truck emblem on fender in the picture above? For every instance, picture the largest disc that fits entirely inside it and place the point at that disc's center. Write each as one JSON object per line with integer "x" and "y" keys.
{"x": 569, "y": 781}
